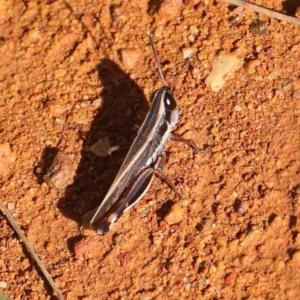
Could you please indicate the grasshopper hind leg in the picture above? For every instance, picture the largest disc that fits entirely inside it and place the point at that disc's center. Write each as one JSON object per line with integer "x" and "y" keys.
{"x": 133, "y": 193}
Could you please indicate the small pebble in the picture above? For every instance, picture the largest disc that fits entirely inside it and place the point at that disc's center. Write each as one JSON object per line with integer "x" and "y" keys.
{"x": 175, "y": 215}
{"x": 173, "y": 268}
{"x": 194, "y": 30}
{"x": 6, "y": 158}
{"x": 60, "y": 121}
{"x": 81, "y": 116}
{"x": 296, "y": 94}
{"x": 124, "y": 259}
{"x": 234, "y": 193}
{"x": 33, "y": 36}
{"x": 11, "y": 207}
{"x": 259, "y": 27}
{"x": 232, "y": 20}
{"x": 158, "y": 239}
{"x": 296, "y": 257}
{"x": 221, "y": 241}
{"x": 97, "y": 103}
{"x": 250, "y": 67}
{"x": 191, "y": 38}
{"x": 142, "y": 211}
{"x": 130, "y": 58}
{"x": 160, "y": 195}
{"x": 222, "y": 67}
{"x": 201, "y": 6}
{"x": 230, "y": 279}
{"x": 169, "y": 9}
{"x": 214, "y": 131}
{"x": 85, "y": 104}
{"x": 101, "y": 147}
{"x": 61, "y": 172}
{"x": 187, "y": 52}
{"x": 196, "y": 73}
{"x": 120, "y": 240}
{"x": 238, "y": 108}
{"x": 57, "y": 110}
{"x": 203, "y": 280}
{"x": 83, "y": 246}
{"x": 159, "y": 31}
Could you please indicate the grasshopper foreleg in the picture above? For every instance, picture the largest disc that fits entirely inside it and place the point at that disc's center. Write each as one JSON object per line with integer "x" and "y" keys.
{"x": 189, "y": 142}
{"x": 159, "y": 167}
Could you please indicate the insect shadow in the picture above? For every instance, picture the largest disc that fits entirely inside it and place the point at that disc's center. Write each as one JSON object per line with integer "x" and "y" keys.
{"x": 123, "y": 108}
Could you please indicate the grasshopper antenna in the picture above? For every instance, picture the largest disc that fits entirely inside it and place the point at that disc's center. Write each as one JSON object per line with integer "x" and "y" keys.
{"x": 176, "y": 79}
{"x": 156, "y": 59}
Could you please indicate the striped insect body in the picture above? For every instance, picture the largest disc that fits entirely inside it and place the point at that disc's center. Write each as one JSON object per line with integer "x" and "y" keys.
{"x": 145, "y": 156}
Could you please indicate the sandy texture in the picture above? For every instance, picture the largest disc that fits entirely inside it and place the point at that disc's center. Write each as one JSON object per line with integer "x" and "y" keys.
{"x": 74, "y": 72}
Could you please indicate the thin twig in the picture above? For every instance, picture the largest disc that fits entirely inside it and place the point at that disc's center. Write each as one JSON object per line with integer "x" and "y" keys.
{"x": 265, "y": 11}
{"x": 31, "y": 250}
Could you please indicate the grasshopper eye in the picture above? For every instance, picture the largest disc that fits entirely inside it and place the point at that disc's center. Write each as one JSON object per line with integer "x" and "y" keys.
{"x": 170, "y": 102}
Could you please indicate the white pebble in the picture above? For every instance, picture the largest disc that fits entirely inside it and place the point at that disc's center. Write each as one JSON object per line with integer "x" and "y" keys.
{"x": 11, "y": 207}
{"x": 97, "y": 103}
{"x": 101, "y": 147}
{"x": 194, "y": 30}
{"x": 238, "y": 108}
{"x": 191, "y": 38}
{"x": 187, "y": 52}
{"x": 159, "y": 31}
{"x": 222, "y": 67}
{"x": 3, "y": 285}
{"x": 60, "y": 121}
{"x": 130, "y": 58}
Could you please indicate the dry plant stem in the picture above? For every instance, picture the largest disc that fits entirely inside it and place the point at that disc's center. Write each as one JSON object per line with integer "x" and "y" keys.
{"x": 265, "y": 11}
{"x": 31, "y": 250}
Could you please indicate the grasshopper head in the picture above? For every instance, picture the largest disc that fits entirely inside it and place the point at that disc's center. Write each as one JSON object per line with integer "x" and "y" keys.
{"x": 169, "y": 106}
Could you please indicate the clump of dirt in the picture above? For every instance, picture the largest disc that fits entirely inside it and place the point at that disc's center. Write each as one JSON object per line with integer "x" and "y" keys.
{"x": 73, "y": 73}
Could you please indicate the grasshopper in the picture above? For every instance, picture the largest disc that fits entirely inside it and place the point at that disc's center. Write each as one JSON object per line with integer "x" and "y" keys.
{"x": 145, "y": 155}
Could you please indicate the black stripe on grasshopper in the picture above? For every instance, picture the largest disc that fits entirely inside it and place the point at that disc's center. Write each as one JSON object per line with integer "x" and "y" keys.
{"x": 144, "y": 156}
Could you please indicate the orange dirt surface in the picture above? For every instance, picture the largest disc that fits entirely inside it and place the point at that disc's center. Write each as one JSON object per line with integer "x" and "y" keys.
{"x": 72, "y": 72}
